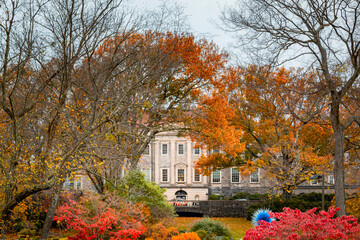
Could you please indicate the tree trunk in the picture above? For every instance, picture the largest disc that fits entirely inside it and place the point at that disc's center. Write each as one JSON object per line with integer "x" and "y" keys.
{"x": 339, "y": 169}
{"x": 97, "y": 181}
{"x": 339, "y": 131}
{"x": 51, "y": 212}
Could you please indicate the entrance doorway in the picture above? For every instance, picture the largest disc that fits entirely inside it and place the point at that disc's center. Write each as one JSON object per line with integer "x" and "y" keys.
{"x": 181, "y": 195}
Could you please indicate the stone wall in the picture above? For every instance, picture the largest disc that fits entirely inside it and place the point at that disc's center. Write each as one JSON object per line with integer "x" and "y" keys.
{"x": 221, "y": 208}
{"x": 231, "y": 191}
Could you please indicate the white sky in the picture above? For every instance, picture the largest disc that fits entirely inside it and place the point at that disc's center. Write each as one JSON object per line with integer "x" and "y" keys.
{"x": 200, "y": 14}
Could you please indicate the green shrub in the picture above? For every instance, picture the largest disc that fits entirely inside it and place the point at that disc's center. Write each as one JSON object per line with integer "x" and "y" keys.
{"x": 249, "y": 196}
{"x": 302, "y": 202}
{"x": 240, "y": 195}
{"x": 135, "y": 188}
{"x": 315, "y": 197}
{"x": 217, "y": 197}
{"x": 258, "y": 196}
{"x": 211, "y": 229}
{"x": 203, "y": 234}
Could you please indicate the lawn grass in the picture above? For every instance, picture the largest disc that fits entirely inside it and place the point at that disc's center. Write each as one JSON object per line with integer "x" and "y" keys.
{"x": 238, "y": 226}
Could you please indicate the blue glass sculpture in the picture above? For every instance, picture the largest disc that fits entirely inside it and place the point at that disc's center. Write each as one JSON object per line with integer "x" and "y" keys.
{"x": 261, "y": 215}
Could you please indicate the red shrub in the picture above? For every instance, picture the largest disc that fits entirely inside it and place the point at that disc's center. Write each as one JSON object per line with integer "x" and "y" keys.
{"x": 113, "y": 219}
{"x": 294, "y": 224}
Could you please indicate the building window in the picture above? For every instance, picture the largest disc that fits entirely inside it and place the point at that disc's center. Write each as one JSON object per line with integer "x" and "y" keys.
{"x": 73, "y": 182}
{"x": 181, "y": 175}
{"x": 180, "y": 149}
{"x": 331, "y": 179}
{"x": 197, "y": 151}
{"x": 216, "y": 176}
{"x": 235, "y": 175}
{"x": 215, "y": 151}
{"x": 314, "y": 182}
{"x": 164, "y": 149}
{"x": 147, "y": 150}
{"x": 254, "y": 177}
{"x": 146, "y": 172}
{"x": 164, "y": 175}
{"x": 197, "y": 176}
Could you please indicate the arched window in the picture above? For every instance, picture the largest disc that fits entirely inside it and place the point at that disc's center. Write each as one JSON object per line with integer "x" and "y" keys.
{"x": 180, "y": 195}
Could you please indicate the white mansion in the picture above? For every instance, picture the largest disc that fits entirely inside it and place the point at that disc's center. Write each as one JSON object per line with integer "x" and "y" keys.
{"x": 169, "y": 162}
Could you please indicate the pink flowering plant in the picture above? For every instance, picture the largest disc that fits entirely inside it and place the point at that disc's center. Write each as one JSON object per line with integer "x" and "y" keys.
{"x": 296, "y": 225}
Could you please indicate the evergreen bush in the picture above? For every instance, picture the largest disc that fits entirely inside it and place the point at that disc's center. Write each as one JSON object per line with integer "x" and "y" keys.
{"x": 209, "y": 229}
{"x": 249, "y": 196}
{"x": 217, "y": 197}
{"x": 135, "y": 188}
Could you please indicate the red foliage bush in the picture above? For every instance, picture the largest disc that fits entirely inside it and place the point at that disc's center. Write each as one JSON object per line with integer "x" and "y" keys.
{"x": 112, "y": 219}
{"x": 296, "y": 225}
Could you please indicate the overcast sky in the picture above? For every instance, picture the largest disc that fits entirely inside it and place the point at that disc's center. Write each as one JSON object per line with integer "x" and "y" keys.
{"x": 200, "y": 14}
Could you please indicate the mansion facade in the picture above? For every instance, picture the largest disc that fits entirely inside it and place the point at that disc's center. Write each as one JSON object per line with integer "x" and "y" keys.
{"x": 169, "y": 162}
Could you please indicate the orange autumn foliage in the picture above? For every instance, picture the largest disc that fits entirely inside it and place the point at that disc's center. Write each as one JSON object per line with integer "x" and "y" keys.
{"x": 217, "y": 131}
{"x": 190, "y": 60}
{"x": 353, "y": 205}
{"x": 167, "y": 70}
{"x": 101, "y": 112}
{"x": 158, "y": 231}
{"x": 248, "y": 118}
{"x": 186, "y": 236}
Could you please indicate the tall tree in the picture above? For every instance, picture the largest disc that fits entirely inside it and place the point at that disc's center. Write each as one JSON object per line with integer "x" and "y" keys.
{"x": 324, "y": 33}
{"x": 247, "y": 120}
{"x": 149, "y": 88}
{"x": 41, "y": 43}
{"x": 79, "y": 81}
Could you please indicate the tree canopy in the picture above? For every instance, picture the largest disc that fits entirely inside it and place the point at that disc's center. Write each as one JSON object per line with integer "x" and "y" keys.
{"x": 324, "y": 36}
{"x": 86, "y": 85}
{"x": 246, "y": 118}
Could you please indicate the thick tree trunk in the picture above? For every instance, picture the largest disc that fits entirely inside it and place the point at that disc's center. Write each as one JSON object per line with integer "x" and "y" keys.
{"x": 51, "y": 212}
{"x": 339, "y": 174}
{"x": 339, "y": 131}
